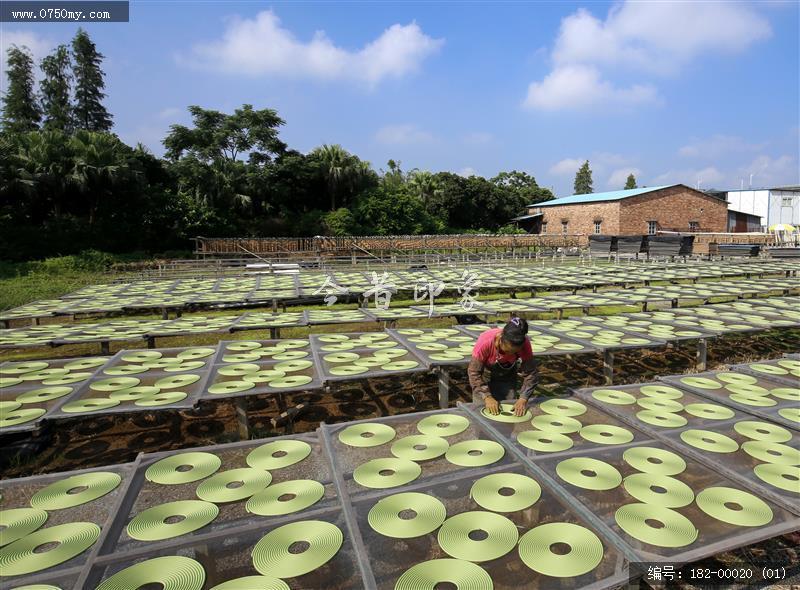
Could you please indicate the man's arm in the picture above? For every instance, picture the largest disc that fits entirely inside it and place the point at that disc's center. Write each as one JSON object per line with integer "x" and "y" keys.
{"x": 530, "y": 377}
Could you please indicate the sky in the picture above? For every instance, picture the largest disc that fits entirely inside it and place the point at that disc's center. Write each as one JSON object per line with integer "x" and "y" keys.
{"x": 700, "y": 93}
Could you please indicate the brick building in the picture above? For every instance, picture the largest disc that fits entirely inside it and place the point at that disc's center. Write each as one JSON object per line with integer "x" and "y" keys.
{"x": 629, "y": 212}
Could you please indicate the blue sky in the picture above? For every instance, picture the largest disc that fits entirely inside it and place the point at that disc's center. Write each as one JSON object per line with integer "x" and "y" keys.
{"x": 675, "y": 92}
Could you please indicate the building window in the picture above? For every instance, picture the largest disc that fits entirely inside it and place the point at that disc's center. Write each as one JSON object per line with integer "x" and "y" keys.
{"x": 544, "y": 227}
{"x": 652, "y": 227}
{"x": 597, "y": 227}
{"x": 694, "y": 226}
{"x": 787, "y": 201}
{"x": 564, "y": 226}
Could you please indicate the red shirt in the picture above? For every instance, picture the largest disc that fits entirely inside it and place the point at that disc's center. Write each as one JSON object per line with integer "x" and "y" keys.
{"x": 487, "y": 352}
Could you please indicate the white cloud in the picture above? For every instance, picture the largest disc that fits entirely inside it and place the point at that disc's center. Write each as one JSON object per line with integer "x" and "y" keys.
{"x": 566, "y": 167}
{"x": 170, "y": 113}
{"x": 717, "y": 146}
{"x": 619, "y": 177}
{"x": 580, "y": 87}
{"x": 403, "y": 135}
{"x": 599, "y": 162}
{"x": 639, "y": 37}
{"x": 478, "y": 138}
{"x": 768, "y": 171}
{"x": 262, "y": 46}
{"x": 643, "y": 35}
{"x": 467, "y": 171}
{"x": 708, "y": 177}
{"x": 38, "y": 45}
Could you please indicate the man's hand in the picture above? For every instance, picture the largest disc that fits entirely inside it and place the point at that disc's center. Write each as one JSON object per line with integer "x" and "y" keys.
{"x": 520, "y": 406}
{"x": 491, "y": 405}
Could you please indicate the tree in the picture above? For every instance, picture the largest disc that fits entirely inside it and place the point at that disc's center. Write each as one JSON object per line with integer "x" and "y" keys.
{"x": 21, "y": 112}
{"x": 345, "y": 175}
{"x": 385, "y": 212}
{"x": 44, "y": 163}
{"x": 631, "y": 182}
{"x": 207, "y": 157}
{"x": 393, "y": 178}
{"x": 583, "y": 179}
{"x": 341, "y": 222}
{"x": 523, "y": 185}
{"x": 424, "y": 186}
{"x": 55, "y": 88}
{"x": 90, "y": 114}
{"x": 99, "y": 164}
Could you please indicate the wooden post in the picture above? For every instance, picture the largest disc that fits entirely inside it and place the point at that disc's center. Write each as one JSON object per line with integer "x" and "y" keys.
{"x": 240, "y": 405}
{"x": 151, "y": 342}
{"x": 274, "y": 333}
{"x": 702, "y": 354}
{"x": 444, "y": 387}
{"x": 608, "y": 366}
{"x": 274, "y": 305}
{"x": 164, "y": 313}
{"x": 104, "y": 347}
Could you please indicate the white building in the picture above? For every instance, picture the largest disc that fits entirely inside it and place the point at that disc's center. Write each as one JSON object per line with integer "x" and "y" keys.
{"x": 780, "y": 204}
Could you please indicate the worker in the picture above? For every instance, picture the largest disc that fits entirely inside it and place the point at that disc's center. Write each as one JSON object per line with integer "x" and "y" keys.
{"x": 503, "y": 353}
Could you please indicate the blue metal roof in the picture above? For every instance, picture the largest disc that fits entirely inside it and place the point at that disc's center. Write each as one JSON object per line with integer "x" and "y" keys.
{"x": 595, "y": 197}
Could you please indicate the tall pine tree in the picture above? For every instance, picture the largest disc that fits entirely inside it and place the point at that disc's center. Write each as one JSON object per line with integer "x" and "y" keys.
{"x": 55, "y": 89}
{"x": 20, "y": 109}
{"x": 631, "y": 182}
{"x": 90, "y": 114}
{"x": 583, "y": 179}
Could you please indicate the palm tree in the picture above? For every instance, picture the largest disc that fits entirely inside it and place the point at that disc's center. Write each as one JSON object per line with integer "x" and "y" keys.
{"x": 99, "y": 165}
{"x": 44, "y": 162}
{"x": 336, "y": 162}
{"x": 424, "y": 185}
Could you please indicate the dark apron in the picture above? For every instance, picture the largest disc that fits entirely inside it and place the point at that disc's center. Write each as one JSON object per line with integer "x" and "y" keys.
{"x": 502, "y": 381}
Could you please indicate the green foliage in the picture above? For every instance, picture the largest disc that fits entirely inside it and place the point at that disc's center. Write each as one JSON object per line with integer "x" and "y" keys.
{"x": 382, "y": 212}
{"x": 340, "y": 223}
{"x": 630, "y": 182}
{"x": 20, "y": 109}
{"x": 523, "y": 185}
{"x": 90, "y": 114}
{"x": 344, "y": 174}
{"x": 583, "y": 180}
{"x": 55, "y": 90}
{"x": 510, "y": 228}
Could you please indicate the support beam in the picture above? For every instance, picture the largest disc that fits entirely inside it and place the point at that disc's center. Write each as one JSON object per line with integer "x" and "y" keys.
{"x": 444, "y": 387}
{"x": 608, "y": 366}
{"x": 702, "y": 354}
{"x": 151, "y": 342}
{"x": 274, "y": 305}
{"x": 243, "y": 424}
{"x": 164, "y": 313}
{"x": 274, "y": 333}
{"x": 105, "y": 347}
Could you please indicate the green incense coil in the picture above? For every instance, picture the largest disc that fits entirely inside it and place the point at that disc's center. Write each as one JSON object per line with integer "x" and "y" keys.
{"x": 420, "y": 447}
{"x": 734, "y": 506}
{"x": 20, "y": 558}
{"x": 161, "y": 399}
{"x": 89, "y": 405}
{"x": 424, "y": 515}
{"x": 585, "y": 550}
{"x": 505, "y": 492}
{"x": 654, "y": 460}
{"x": 172, "y": 573}
{"x": 253, "y": 583}
{"x": 278, "y": 454}
{"x": 563, "y": 407}
{"x": 43, "y": 394}
{"x": 475, "y": 453}
{"x": 710, "y": 411}
{"x": 557, "y": 424}
{"x": 386, "y": 473}
{"x": 443, "y": 425}
{"x": 772, "y": 452}
{"x": 152, "y": 524}
{"x": 765, "y": 431}
{"x": 272, "y": 555}
{"x": 588, "y": 473}
{"x": 544, "y": 442}
{"x": 613, "y": 396}
{"x": 784, "y": 477}
{"x": 606, "y": 434}
{"x": 286, "y": 497}
{"x": 659, "y": 405}
{"x": 176, "y": 381}
{"x": 701, "y": 383}
{"x": 662, "y": 419}
{"x": 19, "y": 522}
{"x": 367, "y": 435}
{"x": 507, "y": 415}
{"x": 183, "y": 468}
{"x": 673, "y": 529}
{"x": 659, "y": 490}
{"x": 709, "y": 441}
{"x": 86, "y": 488}
{"x": 499, "y": 536}
{"x": 217, "y": 488}
{"x": 429, "y": 575}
